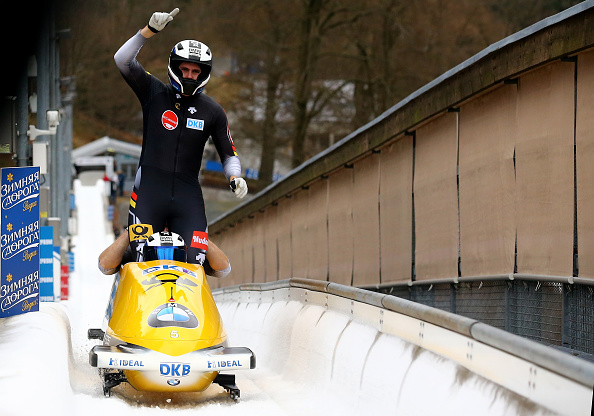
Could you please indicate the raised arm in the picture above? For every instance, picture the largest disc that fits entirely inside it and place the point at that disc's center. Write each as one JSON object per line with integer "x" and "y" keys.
{"x": 125, "y": 57}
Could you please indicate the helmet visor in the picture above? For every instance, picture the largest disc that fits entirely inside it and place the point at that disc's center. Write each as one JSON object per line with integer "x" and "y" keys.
{"x": 165, "y": 253}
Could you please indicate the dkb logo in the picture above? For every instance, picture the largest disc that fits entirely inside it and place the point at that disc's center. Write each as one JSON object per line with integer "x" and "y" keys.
{"x": 174, "y": 369}
{"x": 195, "y": 124}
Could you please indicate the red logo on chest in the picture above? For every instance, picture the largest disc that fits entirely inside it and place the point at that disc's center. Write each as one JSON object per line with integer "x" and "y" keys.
{"x": 169, "y": 120}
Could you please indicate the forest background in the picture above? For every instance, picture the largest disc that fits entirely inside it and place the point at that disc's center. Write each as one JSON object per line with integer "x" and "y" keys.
{"x": 294, "y": 76}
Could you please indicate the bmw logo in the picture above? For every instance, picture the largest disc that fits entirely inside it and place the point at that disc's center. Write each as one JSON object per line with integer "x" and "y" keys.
{"x": 173, "y": 381}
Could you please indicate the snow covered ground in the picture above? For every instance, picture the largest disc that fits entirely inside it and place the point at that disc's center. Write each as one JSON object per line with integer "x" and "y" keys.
{"x": 309, "y": 361}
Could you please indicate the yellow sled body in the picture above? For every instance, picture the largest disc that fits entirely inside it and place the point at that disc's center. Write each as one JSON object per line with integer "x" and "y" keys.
{"x": 164, "y": 331}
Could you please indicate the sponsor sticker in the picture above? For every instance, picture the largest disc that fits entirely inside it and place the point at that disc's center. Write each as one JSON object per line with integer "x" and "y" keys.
{"x": 224, "y": 364}
{"x": 195, "y": 124}
{"x": 195, "y": 51}
{"x": 172, "y": 314}
{"x": 114, "y": 362}
{"x": 169, "y": 120}
{"x": 140, "y": 231}
{"x": 174, "y": 369}
{"x": 200, "y": 240}
{"x": 167, "y": 240}
{"x": 167, "y": 267}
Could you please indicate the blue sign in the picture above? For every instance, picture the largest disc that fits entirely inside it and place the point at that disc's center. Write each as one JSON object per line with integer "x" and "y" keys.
{"x": 214, "y": 166}
{"x": 46, "y": 264}
{"x": 71, "y": 261}
{"x": 252, "y": 173}
{"x": 19, "y": 237}
{"x": 255, "y": 174}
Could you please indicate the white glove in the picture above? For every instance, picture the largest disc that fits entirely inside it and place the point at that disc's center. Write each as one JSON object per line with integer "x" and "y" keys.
{"x": 159, "y": 20}
{"x": 239, "y": 186}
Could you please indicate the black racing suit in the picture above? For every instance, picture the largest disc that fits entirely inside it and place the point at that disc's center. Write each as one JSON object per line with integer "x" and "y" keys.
{"x": 175, "y": 130}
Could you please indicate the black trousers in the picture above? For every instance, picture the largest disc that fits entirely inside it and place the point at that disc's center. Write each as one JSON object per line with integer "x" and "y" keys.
{"x": 174, "y": 200}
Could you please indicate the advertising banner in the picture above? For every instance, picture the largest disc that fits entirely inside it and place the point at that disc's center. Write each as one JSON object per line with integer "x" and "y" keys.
{"x": 19, "y": 237}
{"x": 64, "y": 282}
{"x": 57, "y": 273}
{"x": 71, "y": 261}
{"x": 46, "y": 266}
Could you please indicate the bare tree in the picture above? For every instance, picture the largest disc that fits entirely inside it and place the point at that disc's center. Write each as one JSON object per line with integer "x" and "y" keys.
{"x": 275, "y": 70}
{"x": 319, "y": 21}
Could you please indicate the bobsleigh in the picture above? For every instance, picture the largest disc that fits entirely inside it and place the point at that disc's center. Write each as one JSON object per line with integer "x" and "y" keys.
{"x": 163, "y": 331}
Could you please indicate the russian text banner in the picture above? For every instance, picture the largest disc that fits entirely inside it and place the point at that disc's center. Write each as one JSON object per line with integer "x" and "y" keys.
{"x": 19, "y": 263}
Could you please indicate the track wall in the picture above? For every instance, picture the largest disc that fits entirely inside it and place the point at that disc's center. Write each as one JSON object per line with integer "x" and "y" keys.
{"x": 365, "y": 352}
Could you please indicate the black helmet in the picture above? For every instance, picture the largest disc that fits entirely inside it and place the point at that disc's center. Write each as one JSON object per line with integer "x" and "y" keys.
{"x": 165, "y": 245}
{"x": 189, "y": 51}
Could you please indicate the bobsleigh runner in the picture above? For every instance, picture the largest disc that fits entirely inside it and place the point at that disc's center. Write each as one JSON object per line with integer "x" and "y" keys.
{"x": 163, "y": 331}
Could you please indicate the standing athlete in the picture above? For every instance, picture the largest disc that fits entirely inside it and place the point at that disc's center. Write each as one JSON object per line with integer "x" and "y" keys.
{"x": 178, "y": 119}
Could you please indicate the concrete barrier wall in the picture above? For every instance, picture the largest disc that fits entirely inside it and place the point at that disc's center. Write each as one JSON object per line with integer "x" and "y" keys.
{"x": 363, "y": 352}
{"x": 485, "y": 171}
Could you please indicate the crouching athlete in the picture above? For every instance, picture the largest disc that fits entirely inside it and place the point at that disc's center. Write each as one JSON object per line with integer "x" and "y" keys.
{"x": 178, "y": 119}
{"x": 120, "y": 252}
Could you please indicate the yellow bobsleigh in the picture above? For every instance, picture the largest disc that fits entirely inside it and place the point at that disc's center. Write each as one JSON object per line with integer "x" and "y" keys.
{"x": 163, "y": 330}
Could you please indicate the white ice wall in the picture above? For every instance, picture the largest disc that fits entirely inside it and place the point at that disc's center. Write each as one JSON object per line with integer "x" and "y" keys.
{"x": 332, "y": 352}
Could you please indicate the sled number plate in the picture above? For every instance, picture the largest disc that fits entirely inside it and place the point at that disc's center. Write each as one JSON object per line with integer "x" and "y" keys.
{"x": 174, "y": 334}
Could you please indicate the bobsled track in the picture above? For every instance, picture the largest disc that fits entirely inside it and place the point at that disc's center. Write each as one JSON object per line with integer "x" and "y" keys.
{"x": 322, "y": 349}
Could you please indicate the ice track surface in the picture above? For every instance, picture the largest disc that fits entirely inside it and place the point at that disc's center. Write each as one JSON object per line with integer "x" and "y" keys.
{"x": 44, "y": 367}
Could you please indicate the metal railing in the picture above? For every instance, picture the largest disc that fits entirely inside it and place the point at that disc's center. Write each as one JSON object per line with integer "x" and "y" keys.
{"x": 554, "y": 310}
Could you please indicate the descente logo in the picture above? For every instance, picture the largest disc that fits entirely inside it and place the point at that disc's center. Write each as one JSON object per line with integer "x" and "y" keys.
{"x": 200, "y": 240}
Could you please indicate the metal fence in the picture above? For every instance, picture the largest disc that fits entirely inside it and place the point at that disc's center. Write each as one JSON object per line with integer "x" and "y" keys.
{"x": 554, "y": 313}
